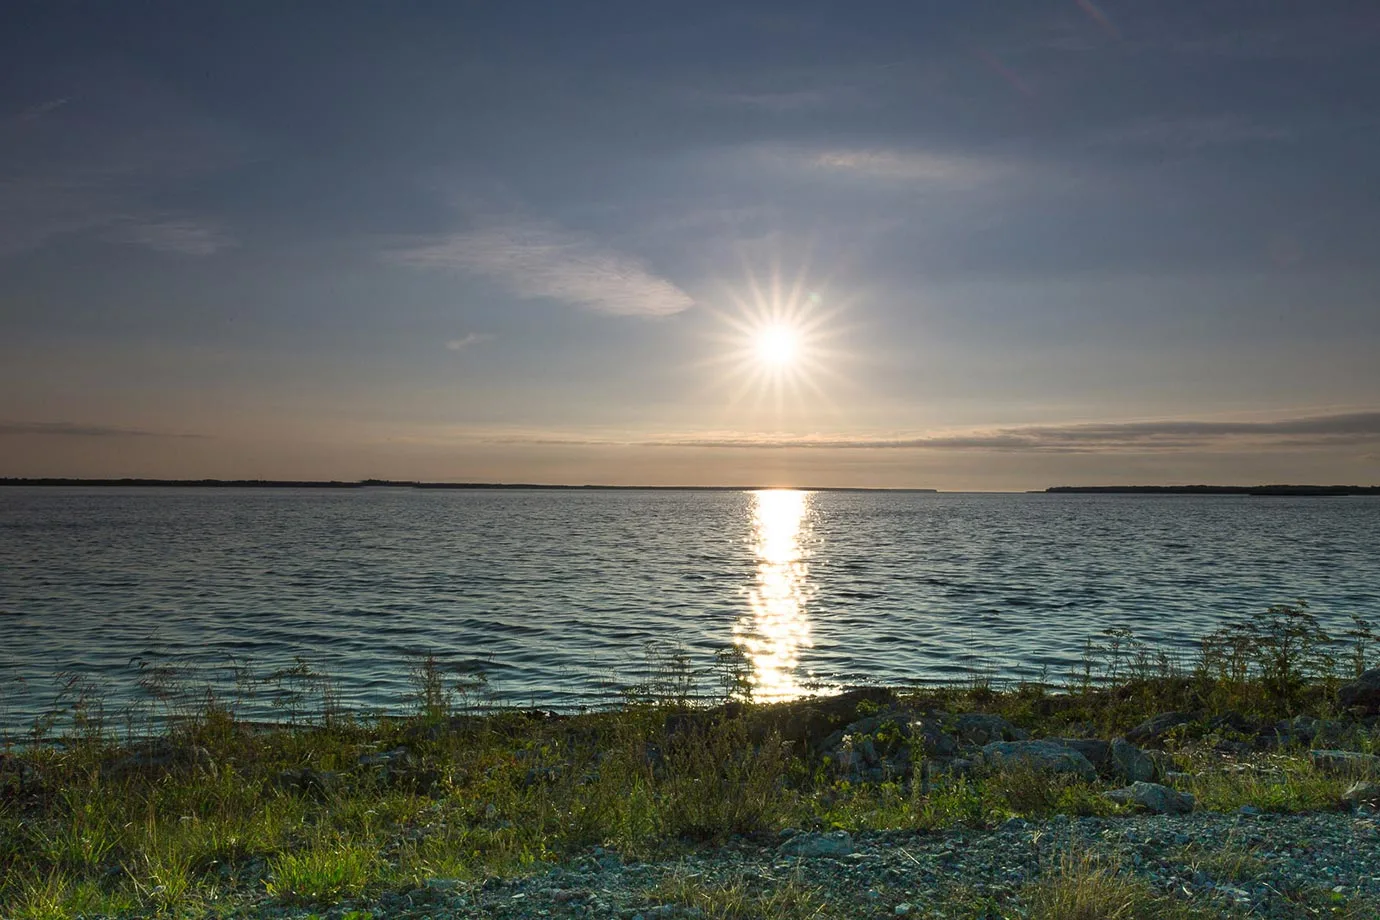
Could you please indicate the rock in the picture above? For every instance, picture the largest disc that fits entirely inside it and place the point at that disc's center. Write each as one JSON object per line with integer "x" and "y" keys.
{"x": 932, "y": 739}
{"x": 396, "y": 759}
{"x": 1307, "y": 730}
{"x": 1363, "y": 792}
{"x": 1130, "y": 763}
{"x": 1044, "y": 756}
{"x": 1345, "y": 763}
{"x": 17, "y": 778}
{"x": 319, "y": 783}
{"x": 834, "y": 845}
{"x": 1249, "y": 811}
{"x": 161, "y": 756}
{"x": 980, "y": 729}
{"x": 1099, "y": 753}
{"x": 903, "y": 909}
{"x": 808, "y": 722}
{"x": 1362, "y": 694}
{"x": 1154, "y": 730}
{"x": 1153, "y": 797}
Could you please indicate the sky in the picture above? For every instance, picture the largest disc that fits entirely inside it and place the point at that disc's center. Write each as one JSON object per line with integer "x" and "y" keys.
{"x": 1010, "y": 244}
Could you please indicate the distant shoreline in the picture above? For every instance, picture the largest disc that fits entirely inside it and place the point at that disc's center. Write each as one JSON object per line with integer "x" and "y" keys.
{"x": 393, "y": 484}
{"x": 1217, "y": 490}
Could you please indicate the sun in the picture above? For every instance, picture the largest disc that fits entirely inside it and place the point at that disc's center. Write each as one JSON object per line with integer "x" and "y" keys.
{"x": 776, "y": 345}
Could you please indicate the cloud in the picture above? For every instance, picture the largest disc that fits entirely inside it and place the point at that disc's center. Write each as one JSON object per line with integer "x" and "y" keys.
{"x": 906, "y": 166}
{"x": 540, "y": 260}
{"x": 1099, "y": 437}
{"x": 468, "y": 339}
{"x": 74, "y": 430}
{"x": 180, "y": 235}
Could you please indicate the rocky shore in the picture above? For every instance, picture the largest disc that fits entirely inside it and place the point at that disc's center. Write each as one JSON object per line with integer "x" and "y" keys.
{"x": 1250, "y": 865}
{"x": 872, "y": 803}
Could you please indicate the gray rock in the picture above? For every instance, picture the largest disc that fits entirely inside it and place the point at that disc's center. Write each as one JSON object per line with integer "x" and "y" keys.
{"x": 837, "y": 844}
{"x": 1362, "y": 694}
{"x": 1363, "y": 792}
{"x": 1044, "y": 756}
{"x": 1345, "y": 763}
{"x": 1098, "y": 752}
{"x": 1153, "y": 797}
{"x": 1154, "y": 730}
{"x": 980, "y": 728}
{"x": 1131, "y": 763}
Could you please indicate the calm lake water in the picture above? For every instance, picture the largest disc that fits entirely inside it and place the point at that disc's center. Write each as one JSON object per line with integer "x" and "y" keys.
{"x": 557, "y": 594}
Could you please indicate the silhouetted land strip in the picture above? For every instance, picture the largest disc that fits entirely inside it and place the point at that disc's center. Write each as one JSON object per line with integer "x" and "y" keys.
{"x": 1220, "y": 490}
{"x": 387, "y": 483}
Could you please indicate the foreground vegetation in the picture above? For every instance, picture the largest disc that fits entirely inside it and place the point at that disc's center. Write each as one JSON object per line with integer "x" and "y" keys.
{"x": 215, "y": 815}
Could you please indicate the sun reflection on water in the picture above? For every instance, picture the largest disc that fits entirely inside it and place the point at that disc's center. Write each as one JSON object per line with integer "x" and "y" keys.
{"x": 776, "y": 627}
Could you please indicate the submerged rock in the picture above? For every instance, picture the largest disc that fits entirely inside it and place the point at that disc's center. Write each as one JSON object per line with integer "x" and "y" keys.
{"x": 1043, "y": 756}
{"x": 1153, "y": 797}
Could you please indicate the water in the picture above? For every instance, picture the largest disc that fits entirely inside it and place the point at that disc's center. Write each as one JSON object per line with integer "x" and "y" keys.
{"x": 557, "y": 594}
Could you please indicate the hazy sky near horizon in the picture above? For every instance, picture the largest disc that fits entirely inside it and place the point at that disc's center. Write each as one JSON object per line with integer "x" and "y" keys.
{"x": 1025, "y": 243}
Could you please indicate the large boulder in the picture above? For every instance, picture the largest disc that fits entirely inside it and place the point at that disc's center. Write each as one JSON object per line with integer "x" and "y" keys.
{"x": 1130, "y": 763}
{"x": 1042, "y": 756}
{"x": 1098, "y": 752}
{"x": 1362, "y": 694}
{"x": 1153, "y": 731}
{"x": 1155, "y": 798}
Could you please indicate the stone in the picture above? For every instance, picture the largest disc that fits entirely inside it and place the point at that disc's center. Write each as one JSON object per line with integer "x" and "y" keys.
{"x": 161, "y": 756}
{"x": 833, "y": 845}
{"x": 1362, "y": 694}
{"x": 1154, "y": 730}
{"x": 1098, "y": 752}
{"x": 1155, "y": 798}
{"x": 1345, "y": 763}
{"x": 1043, "y": 756}
{"x": 981, "y": 729}
{"x": 1130, "y": 763}
{"x": 903, "y": 909}
{"x": 1362, "y": 792}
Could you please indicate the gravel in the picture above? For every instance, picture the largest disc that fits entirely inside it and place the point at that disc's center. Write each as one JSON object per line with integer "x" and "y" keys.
{"x": 1197, "y": 857}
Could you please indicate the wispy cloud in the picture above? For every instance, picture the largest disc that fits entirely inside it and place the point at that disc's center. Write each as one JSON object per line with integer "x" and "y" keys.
{"x": 541, "y": 260}
{"x": 468, "y": 339}
{"x": 76, "y": 430}
{"x": 1110, "y": 437}
{"x": 179, "y": 235}
{"x": 906, "y": 166}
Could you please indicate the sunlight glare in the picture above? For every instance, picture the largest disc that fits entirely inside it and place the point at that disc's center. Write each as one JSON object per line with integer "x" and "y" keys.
{"x": 777, "y": 627}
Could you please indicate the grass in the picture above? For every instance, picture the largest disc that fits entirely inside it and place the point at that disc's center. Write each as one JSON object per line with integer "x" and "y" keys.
{"x": 1082, "y": 886}
{"x": 217, "y": 812}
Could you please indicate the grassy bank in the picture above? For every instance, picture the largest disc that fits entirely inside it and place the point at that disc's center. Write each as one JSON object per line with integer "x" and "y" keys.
{"x": 216, "y": 815}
